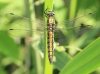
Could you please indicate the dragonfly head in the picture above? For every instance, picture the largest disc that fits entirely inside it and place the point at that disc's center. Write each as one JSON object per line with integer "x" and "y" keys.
{"x": 50, "y": 13}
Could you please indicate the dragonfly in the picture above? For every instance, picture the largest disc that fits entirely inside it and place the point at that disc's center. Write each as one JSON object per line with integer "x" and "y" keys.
{"x": 51, "y": 27}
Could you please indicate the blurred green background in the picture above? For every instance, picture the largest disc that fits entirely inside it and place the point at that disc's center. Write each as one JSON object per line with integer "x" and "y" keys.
{"x": 22, "y": 55}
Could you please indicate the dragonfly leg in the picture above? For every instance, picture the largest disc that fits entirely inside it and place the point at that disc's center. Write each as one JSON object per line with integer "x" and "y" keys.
{"x": 45, "y": 12}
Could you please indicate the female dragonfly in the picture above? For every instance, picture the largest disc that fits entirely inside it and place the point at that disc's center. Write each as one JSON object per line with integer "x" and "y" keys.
{"x": 51, "y": 27}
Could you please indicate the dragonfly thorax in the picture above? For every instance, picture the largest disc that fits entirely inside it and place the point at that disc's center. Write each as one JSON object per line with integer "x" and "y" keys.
{"x": 50, "y": 13}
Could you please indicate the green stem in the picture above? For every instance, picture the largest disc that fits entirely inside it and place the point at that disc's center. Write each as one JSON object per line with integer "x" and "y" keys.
{"x": 48, "y": 68}
{"x": 33, "y": 52}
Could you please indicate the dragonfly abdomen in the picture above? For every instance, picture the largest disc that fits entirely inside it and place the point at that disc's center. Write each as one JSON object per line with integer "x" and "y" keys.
{"x": 50, "y": 45}
{"x": 50, "y": 31}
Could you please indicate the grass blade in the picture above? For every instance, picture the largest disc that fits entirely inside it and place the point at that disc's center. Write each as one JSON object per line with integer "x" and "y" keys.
{"x": 48, "y": 69}
{"x": 84, "y": 59}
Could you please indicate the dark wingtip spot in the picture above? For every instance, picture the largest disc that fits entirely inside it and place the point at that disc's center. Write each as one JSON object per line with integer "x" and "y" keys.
{"x": 92, "y": 14}
{"x": 11, "y": 13}
{"x": 10, "y": 29}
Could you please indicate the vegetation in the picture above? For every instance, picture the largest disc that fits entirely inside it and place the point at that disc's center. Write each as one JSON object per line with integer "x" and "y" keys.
{"x": 26, "y": 53}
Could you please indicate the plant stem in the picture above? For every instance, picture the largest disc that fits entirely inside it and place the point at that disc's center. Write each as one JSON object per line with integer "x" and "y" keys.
{"x": 48, "y": 68}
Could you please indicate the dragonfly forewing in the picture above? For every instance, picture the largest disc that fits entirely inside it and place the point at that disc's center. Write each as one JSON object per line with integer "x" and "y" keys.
{"x": 21, "y": 25}
{"x": 76, "y": 22}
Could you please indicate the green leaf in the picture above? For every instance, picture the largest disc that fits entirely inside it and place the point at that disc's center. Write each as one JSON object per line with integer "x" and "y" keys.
{"x": 61, "y": 62}
{"x": 48, "y": 68}
{"x": 8, "y": 47}
{"x": 2, "y": 71}
{"x": 86, "y": 61}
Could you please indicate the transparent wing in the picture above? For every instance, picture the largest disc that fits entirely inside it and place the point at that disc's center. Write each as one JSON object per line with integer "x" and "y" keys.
{"x": 22, "y": 21}
{"x": 18, "y": 32}
{"x": 21, "y": 25}
{"x": 82, "y": 20}
{"x": 74, "y": 27}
